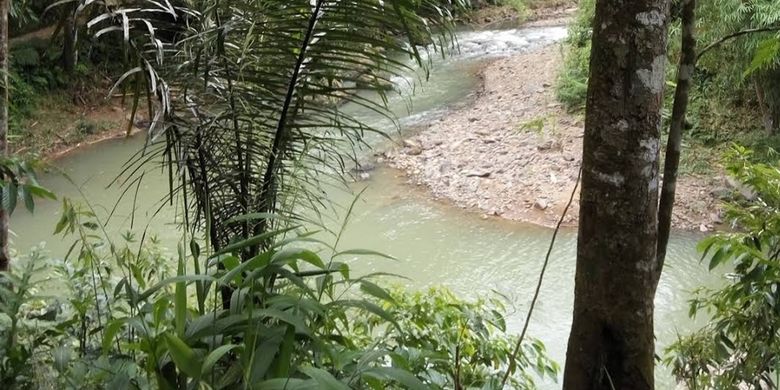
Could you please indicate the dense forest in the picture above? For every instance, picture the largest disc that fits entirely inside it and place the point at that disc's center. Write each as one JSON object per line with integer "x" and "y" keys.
{"x": 423, "y": 194}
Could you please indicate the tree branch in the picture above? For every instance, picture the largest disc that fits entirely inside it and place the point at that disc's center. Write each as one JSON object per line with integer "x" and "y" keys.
{"x": 516, "y": 351}
{"x": 732, "y": 36}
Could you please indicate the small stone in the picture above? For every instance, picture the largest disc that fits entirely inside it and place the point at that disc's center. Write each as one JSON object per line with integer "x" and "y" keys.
{"x": 546, "y": 85}
{"x": 541, "y": 204}
{"x": 744, "y": 190}
{"x": 413, "y": 151}
{"x": 703, "y": 228}
{"x": 476, "y": 173}
{"x": 411, "y": 144}
{"x": 716, "y": 218}
{"x": 549, "y": 145}
{"x": 473, "y": 119}
{"x": 568, "y": 157}
{"x": 545, "y": 146}
{"x": 721, "y": 193}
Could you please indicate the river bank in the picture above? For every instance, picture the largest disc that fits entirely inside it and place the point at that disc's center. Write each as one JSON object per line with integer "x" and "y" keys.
{"x": 515, "y": 153}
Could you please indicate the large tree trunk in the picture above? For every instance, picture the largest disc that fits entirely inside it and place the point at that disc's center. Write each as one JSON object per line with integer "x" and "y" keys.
{"x": 5, "y": 260}
{"x": 611, "y": 342}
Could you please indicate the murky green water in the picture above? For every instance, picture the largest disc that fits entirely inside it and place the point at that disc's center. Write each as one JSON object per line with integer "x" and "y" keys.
{"x": 436, "y": 244}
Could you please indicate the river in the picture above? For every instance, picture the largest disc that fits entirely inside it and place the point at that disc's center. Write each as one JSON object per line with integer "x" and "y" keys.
{"x": 436, "y": 244}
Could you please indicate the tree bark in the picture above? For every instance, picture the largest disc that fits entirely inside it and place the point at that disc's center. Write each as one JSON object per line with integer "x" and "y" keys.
{"x": 69, "y": 51}
{"x": 5, "y": 261}
{"x": 674, "y": 144}
{"x": 611, "y": 342}
{"x": 770, "y": 85}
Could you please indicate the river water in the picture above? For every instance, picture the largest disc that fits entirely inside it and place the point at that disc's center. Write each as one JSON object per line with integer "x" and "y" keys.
{"x": 436, "y": 244}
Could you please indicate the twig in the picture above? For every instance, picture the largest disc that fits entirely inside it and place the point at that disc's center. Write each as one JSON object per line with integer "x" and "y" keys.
{"x": 513, "y": 357}
{"x": 734, "y": 35}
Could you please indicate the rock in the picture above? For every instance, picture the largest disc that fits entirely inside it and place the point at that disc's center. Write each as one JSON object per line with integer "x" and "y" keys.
{"x": 364, "y": 167}
{"x": 541, "y": 204}
{"x": 703, "y": 228}
{"x": 549, "y": 145}
{"x": 716, "y": 218}
{"x": 412, "y": 148}
{"x": 473, "y": 119}
{"x": 744, "y": 190}
{"x": 445, "y": 166}
{"x": 468, "y": 173}
{"x": 568, "y": 157}
{"x": 363, "y": 176}
{"x": 48, "y": 313}
{"x": 721, "y": 193}
{"x": 411, "y": 144}
{"x": 546, "y": 85}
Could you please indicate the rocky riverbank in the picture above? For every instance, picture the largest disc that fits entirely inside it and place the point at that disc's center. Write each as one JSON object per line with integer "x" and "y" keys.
{"x": 514, "y": 152}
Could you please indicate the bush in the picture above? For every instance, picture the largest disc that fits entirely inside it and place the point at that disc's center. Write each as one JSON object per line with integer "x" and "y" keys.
{"x": 739, "y": 348}
{"x": 572, "y": 83}
{"x": 135, "y": 318}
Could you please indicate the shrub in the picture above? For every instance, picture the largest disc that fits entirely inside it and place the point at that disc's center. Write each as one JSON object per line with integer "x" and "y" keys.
{"x": 129, "y": 316}
{"x": 739, "y": 348}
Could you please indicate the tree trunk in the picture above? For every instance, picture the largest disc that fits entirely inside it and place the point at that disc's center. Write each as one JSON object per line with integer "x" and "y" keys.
{"x": 5, "y": 261}
{"x": 611, "y": 341}
{"x": 674, "y": 144}
{"x": 69, "y": 53}
{"x": 770, "y": 85}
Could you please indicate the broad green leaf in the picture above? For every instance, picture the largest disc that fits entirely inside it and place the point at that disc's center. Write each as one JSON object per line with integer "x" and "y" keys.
{"x": 363, "y": 252}
{"x": 284, "y": 359}
{"x": 376, "y": 291}
{"x": 173, "y": 280}
{"x": 62, "y": 355}
{"x": 404, "y": 378}
{"x": 40, "y": 192}
{"x": 213, "y": 357}
{"x": 109, "y": 334}
{"x": 286, "y": 384}
{"x": 288, "y": 255}
{"x": 324, "y": 379}
{"x": 183, "y": 356}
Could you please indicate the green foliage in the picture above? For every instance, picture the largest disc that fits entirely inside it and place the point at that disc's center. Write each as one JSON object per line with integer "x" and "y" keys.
{"x": 123, "y": 317}
{"x": 20, "y": 335}
{"x": 766, "y": 55}
{"x": 20, "y": 184}
{"x": 270, "y": 107}
{"x": 439, "y": 334}
{"x": 572, "y": 84}
{"x": 518, "y": 5}
{"x": 739, "y": 347}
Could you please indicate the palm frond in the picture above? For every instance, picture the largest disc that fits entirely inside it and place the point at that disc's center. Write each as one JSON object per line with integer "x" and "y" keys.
{"x": 249, "y": 95}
